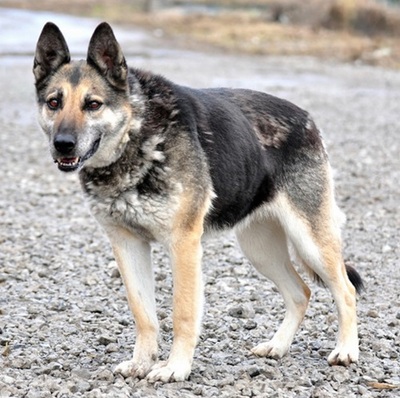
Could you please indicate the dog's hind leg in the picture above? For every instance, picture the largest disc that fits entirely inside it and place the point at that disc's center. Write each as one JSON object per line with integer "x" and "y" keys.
{"x": 133, "y": 257}
{"x": 264, "y": 242}
{"x": 316, "y": 238}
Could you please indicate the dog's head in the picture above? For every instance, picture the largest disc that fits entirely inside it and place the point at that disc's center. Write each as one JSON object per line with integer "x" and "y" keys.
{"x": 85, "y": 107}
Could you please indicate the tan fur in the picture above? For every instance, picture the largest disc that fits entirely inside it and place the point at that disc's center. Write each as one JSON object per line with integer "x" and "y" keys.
{"x": 72, "y": 111}
{"x": 330, "y": 268}
{"x": 327, "y": 236}
{"x": 186, "y": 252}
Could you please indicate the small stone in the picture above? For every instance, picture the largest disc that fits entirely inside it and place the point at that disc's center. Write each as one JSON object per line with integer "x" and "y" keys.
{"x": 124, "y": 321}
{"x": 316, "y": 345}
{"x": 242, "y": 311}
{"x": 72, "y": 387}
{"x": 246, "y": 392}
{"x": 55, "y": 365}
{"x": 106, "y": 340}
{"x": 105, "y": 374}
{"x": 250, "y": 324}
{"x": 162, "y": 314}
{"x": 393, "y": 354}
{"x": 83, "y": 386}
{"x": 232, "y": 360}
{"x": 8, "y": 379}
{"x": 227, "y": 381}
{"x": 340, "y": 375}
{"x": 32, "y": 310}
{"x": 43, "y": 273}
{"x": 373, "y": 314}
{"x": 21, "y": 363}
{"x": 93, "y": 308}
{"x": 160, "y": 277}
{"x": 95, "y": 393}
{"x": 50, "y": 368}
{"x": 112, "y": 347}
{"x": 166, "y": 327}
{"x": 198, "y": 390}
{"x": 271, "y": 372}
{"x": 6, "y": 351}
{"x": 306, "y": 382}
{"x": 234, "y": 326}
{"x": 362, "y": 390}
{"x": 82, "y": 373}
{"x": 254, "y": 371}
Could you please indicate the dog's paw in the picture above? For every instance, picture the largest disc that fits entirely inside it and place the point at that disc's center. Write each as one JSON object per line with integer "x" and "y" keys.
{"x": 343, "y": 357}
{"x": 270, "y": 350}
{"x": 166, "y": 372}
{"x": 133, "y": 369}
{"x": 125, "y": 368}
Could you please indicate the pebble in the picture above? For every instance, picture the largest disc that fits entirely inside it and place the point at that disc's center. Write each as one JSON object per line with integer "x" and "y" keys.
{"x": 83, "y": 386}
{"x": 362, "y": 390}
{"x": 105, "y": 374}
{"x": 373, "y": 313}
{"x": 106, "y": 340}
{"x": 250, "y": 325}
{"x": 254, "y": 371}
{"x": 82, "y": 373}
{"x": 242, "y": 311}
{"x": 7, "y": 379}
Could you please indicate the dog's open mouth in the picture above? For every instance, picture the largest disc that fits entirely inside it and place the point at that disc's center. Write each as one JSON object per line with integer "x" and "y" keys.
{"x": 68, "y": 164}
{"x": 73, "y": 163}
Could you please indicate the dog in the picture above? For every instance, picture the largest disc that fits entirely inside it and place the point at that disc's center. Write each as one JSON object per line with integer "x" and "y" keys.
{"x": 162, "y": 162}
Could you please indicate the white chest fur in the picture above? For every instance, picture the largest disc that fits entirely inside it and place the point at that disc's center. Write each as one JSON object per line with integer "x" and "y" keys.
{"x": 147, "y": 215}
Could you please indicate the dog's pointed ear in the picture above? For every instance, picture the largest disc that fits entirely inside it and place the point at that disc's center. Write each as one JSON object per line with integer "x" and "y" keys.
{"x": 51, "y": 52}
{"x": 105, "y": 54}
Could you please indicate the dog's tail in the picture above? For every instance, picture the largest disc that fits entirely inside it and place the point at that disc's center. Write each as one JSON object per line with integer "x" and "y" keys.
{"x": 355, "y": 278}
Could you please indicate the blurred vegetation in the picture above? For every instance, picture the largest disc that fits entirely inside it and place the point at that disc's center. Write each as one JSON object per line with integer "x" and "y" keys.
{"x": 365, "y": 16}
{"x": 366, "y": 31}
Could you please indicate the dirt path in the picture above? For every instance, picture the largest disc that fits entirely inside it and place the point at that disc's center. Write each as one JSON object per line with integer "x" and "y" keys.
{"x": 64, "y": 321}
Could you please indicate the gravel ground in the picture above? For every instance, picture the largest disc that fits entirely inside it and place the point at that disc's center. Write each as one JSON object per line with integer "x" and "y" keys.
{"x": 64, "y": 319}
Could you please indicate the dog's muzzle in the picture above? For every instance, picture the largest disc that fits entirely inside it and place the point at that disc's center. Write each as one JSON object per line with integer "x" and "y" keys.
{"x": 72, "y": 163}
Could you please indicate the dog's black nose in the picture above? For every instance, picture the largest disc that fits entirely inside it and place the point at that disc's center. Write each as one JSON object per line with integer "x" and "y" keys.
{"x": 64, "y": 143}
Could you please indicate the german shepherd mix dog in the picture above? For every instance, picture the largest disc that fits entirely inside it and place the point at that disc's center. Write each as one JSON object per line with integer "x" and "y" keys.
{"x": 162, "y": 162}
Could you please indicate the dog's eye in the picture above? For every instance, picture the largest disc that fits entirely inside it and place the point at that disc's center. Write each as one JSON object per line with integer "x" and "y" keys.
{"x": 53, "y": 104}
{"x": 93, "y": 105}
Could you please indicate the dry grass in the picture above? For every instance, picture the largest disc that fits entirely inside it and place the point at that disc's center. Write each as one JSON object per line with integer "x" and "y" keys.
{"x": 347, "y": 30}
{"x": 252, "y": 35}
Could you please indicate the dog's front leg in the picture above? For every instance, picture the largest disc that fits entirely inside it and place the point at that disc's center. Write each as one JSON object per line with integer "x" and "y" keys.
{"x": 133, "y": 257}
{"x": 186, "y": 252}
